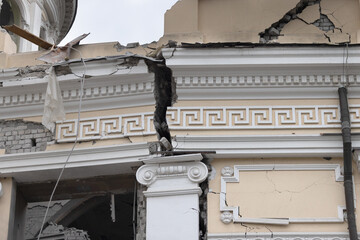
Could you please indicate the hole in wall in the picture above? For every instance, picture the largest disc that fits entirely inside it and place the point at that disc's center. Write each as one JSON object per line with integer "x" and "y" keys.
{"x": 6, "y": 14}
{"x": 33, "y": 142}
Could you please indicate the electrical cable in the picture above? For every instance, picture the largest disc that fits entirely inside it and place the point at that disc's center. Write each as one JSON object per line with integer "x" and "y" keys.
{"x": 82, "y": 82}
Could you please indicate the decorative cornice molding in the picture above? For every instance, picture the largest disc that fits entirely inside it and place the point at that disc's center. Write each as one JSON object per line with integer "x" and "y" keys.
{"x": 107, "y": 160}
{"x": 276, "y": 57}
{"x": 109, "y": 86}
{"x": 223, "y": 79}
{"x": 279, "y": 236}
{"x": 265, "y": 146}
{"x": 231, "y": 213}
{"x": 298, "y": 69}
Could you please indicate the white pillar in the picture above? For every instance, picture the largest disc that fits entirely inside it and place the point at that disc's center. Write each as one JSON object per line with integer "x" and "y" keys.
{"x": 35, "y": 24}
{"x": 172, "y": 204}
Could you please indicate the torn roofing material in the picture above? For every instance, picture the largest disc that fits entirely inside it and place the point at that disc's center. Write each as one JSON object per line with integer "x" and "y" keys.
{"x": 62, "y": 53}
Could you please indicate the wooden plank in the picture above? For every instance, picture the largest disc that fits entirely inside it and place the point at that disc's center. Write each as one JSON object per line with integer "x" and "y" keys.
{"x": 28, "y": 36}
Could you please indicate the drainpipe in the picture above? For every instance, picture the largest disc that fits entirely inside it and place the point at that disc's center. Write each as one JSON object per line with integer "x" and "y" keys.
{"x": 347, "y": 153}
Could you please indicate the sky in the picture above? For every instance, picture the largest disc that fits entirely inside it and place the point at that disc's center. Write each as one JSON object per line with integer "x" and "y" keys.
{"x": 125, "y": 21}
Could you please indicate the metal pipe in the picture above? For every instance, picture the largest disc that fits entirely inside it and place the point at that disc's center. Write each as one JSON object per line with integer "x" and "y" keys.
{"x": 347, "y": 155}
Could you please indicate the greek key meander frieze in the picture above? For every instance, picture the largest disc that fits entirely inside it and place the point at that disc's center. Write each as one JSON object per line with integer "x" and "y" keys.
{"x": 280, "y": 80}
{"x": 208, "y": 118}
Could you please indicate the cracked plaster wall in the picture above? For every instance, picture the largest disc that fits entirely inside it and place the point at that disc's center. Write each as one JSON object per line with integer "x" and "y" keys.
{"x": 279, "y": 194}
{"x": 283, "y": 21}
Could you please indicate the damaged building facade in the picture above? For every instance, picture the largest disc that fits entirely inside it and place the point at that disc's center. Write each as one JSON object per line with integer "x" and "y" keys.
{"x": 232, "y": 126}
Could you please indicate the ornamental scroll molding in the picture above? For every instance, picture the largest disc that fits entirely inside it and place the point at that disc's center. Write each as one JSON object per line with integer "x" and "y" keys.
{"x": 208, "y": 118}
{"x": 232, "y": 175}
{"x": 196, "y": 172}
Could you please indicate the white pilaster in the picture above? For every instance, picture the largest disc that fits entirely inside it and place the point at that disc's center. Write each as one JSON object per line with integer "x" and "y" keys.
{"x": 172, "y": 196}
{"x": 35, "y": 22}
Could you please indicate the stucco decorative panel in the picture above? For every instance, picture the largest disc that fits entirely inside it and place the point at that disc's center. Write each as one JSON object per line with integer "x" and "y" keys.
{"x": 298, "y": 187}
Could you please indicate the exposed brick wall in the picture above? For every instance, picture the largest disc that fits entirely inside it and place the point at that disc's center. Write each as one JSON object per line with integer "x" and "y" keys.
{"x": 18, "y": 136}
{"x": 141, "y": 213}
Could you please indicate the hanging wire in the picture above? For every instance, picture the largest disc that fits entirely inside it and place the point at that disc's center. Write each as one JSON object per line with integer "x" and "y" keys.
{"x": 82, "y": 83}
{"x": 345, "y": 67}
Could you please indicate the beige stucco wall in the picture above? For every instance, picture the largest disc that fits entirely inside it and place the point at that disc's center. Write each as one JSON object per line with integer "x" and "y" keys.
{"x": 242, "y": 21}
{"x": 5, "y": 206}
{"x": 280, "y": 194}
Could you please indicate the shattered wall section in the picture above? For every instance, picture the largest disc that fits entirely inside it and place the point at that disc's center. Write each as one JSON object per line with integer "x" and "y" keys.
{"x": 18, "y": 136}
{"x": 311, "y": 21}
{"x": 165, "y": 96}
{"x": 35, "y": 214}
{"x": 283, "y": 21}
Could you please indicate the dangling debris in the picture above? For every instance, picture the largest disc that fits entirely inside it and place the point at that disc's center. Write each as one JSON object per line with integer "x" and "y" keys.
{"x": 54, "y": 107}
{"x": 59, "y": 54}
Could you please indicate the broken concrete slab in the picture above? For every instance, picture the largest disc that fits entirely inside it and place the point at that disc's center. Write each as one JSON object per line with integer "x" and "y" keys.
{"x": 337, "y": 37}
{"x": 299, "y": 31}
{"x": 310, "y": 14}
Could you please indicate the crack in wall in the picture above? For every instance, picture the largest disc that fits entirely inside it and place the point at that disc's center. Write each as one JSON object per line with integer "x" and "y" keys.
{"x": 289, "y": 191}
{"x": 165, "y": 96}
{"x": 323, "y": 23}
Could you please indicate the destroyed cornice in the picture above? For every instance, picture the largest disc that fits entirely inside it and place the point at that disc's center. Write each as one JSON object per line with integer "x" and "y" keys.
{"x": 111, "y": 82}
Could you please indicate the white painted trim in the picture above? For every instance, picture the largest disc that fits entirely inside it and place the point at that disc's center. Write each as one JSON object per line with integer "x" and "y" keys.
{"x": 234, "y": 211}
{"x": 286, "y": 72}
{"x": 41, "y": 166}
{"x": 252, "y": 59}
{"x": 246, "y": 146}
{"x": 171, "y": 159}
{"x": 174, "y": 192}
{"x": 279, "y": 236}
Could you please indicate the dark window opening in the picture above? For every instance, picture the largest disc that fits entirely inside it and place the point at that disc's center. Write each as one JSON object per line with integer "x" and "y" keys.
{"x": 6, "y": 14}
{"x": 98, "y": 224}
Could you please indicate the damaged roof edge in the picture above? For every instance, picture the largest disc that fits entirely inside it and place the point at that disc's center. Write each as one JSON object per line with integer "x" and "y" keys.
{"x": 253, "y": 45}
{"x": 77, "y": 60}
